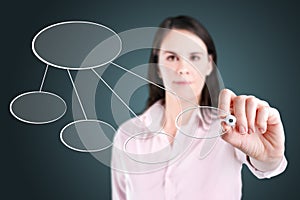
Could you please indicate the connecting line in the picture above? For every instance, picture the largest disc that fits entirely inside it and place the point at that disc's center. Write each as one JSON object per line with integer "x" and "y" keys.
{"x": 114, "y": 93}
{"x": 77, "y": 94}
{"x": 153, "y": 83}
{"x": 44, "y": 78}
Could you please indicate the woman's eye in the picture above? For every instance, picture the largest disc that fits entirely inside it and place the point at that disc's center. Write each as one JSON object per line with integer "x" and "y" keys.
{"x": 195, "y": 58}
{"x": 171, "y": 58}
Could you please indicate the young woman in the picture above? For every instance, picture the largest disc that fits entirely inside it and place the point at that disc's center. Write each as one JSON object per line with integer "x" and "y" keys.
{"x": 152, "y": 159}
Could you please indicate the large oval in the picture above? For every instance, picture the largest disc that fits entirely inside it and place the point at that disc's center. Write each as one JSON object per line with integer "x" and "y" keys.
{"x": 65, "y": 45}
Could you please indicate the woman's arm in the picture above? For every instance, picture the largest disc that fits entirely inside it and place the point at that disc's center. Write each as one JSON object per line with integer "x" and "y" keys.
{"x": 118, "y": 185}
{"x": 118, "y": 182}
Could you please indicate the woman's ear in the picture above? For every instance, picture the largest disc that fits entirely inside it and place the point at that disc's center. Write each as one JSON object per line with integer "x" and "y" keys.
{"x": 210, "y": 64}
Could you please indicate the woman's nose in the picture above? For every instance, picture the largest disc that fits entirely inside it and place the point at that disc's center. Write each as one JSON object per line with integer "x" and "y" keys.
{"x": 183, "y": 68}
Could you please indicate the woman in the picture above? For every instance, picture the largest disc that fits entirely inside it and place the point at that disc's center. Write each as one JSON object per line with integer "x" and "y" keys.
{"x": 146, "y": 165}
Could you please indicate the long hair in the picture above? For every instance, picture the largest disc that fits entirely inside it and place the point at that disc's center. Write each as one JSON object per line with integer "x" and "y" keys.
{"x": 209, "y": 97}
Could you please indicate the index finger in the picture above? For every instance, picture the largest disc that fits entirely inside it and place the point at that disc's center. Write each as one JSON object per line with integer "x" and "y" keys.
{"x": 225, "y": 98}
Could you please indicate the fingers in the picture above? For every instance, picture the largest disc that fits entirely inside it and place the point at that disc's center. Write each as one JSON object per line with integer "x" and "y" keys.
{"x": 262, "y": 118}
{"x": 239, "y": 104}
{"x": 252, "y": 114}
{"x": 225, "y": 100}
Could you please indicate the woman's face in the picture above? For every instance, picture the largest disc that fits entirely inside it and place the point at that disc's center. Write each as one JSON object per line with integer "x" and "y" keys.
{"x": 184, "y": 63}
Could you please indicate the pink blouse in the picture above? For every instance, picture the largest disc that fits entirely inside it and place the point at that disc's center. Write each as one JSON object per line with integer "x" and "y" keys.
{"x": 148, "y": 167}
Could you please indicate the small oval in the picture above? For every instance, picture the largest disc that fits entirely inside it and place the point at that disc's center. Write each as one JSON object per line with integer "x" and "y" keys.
{"x": 87, "y": 135}
{"x": 38, "y": 107}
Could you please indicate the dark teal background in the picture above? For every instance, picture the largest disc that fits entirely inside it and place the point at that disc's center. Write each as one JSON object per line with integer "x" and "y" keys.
{"x": 257, "y": 44}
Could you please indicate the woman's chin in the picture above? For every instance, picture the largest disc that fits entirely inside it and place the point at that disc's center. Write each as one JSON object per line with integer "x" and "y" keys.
{"x": 183, "y": 96}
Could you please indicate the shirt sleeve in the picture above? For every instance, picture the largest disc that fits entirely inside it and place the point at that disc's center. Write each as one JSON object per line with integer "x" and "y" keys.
{"x": 118, "y": 185}
{"x": 260, "y": 174}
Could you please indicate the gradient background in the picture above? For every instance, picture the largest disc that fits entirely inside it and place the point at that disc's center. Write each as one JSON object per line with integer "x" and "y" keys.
{"x": 257, "y": 46}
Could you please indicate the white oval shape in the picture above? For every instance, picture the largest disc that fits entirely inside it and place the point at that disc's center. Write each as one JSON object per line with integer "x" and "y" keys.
{"x": 151, "y": 147}
{"x": 209, "y": 118}
{"x": 65, "y": 45}
{"x": 90, "y": 135}
{"x": 38, "y": 107}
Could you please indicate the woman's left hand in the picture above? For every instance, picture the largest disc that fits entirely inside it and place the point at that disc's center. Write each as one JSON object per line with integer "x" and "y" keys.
{"x": 258, "y": 131}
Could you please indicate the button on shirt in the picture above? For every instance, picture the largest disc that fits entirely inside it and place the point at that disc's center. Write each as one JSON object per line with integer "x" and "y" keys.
{"x": 146, "y": 166}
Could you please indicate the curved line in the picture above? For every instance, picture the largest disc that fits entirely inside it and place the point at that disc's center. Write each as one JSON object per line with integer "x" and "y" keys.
{"x": 191, "y": 108}
{"x": 144, "y": 162}
{"x": 203, "y": 157}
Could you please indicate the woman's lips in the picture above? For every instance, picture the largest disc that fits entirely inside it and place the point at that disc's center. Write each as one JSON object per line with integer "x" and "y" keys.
{"x": 183, "y": 82}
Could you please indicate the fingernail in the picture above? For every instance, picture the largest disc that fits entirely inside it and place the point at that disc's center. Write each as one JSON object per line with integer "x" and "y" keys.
{"x": 262, "y": 130}
{"x": 242, "y": 129}
{"x": 251, "y": 131}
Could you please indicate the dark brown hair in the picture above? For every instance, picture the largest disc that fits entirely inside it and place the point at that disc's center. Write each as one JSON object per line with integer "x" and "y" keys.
{"x": 209, "y": 96}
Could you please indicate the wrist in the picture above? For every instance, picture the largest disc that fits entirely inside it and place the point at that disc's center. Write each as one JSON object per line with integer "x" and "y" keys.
{"x": 265, "y": 166}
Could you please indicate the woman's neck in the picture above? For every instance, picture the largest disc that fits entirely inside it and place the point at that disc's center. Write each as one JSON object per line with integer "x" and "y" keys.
{"x": 173, "y": 106}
